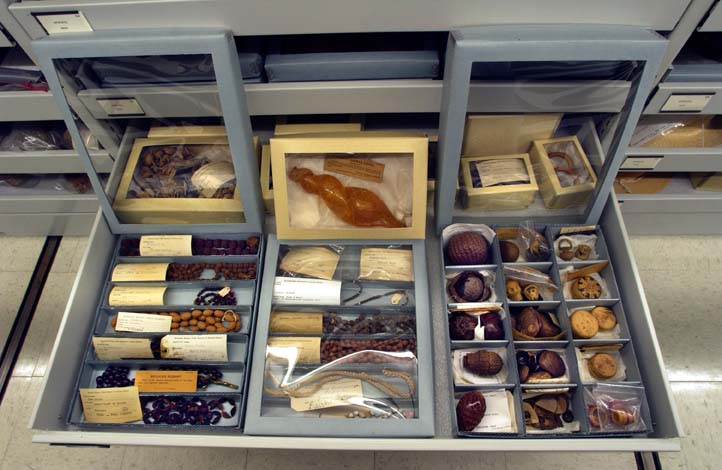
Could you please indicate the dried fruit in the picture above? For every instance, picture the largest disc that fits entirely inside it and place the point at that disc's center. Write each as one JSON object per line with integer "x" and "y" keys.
{"x": 484, "y": 363}
{"x": 467, "y": 248}
{"x": 513, "y": 290}
{"x": 531, "y": 292}
{"x": 470, "y": 410}
{"x": 509, "y": 251}
{"x": 493, "y": 326}
{"x": 548, "y": 328}
{"x": 523, "y": 373}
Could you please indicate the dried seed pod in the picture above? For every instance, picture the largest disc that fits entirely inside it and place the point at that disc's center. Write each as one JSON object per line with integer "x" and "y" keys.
{"x": 552, "y": 363}
{"x": 529, "y": 322}
{"x": 484, "y": 363}
{"x": 470, "y": 410}
{"x": 461, "y": 326}
{"x": 548, "y": 328}
{"x": 531, "y": 292}
{"x": 467, "y": 248}
{"x": 493, "y": 326}
{"x": 513, "y": 290}
{"x": 523, "y": 373}
{"x": 509, "y": 251}
{"x": 468, "y": 286}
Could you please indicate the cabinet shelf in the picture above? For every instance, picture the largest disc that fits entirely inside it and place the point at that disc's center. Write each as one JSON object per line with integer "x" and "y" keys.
{"x": 28, "y": 106}
{"x": 369, "y": 96}
{"x": 679, "y": 159}
{"x": 52, "y": 161}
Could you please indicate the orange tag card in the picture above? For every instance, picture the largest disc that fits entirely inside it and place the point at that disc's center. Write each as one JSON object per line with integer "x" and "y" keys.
{"x": 166, "y": 381}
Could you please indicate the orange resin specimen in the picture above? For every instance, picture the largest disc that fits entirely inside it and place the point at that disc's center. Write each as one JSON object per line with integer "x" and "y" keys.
{"x": 356, "y": 206}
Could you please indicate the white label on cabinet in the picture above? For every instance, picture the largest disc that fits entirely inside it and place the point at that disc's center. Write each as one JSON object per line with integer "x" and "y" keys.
{"x": 121, "y": 107}
{"x": 640, "y": 163}
{"x": 195, "y": 348}
{"x": 689, "y": 103}
{"x": 59, "y": 23}
{"x": 293, "y": 290}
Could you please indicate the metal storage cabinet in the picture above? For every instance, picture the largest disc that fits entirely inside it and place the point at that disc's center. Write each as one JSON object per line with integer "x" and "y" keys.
{"x": 48, "y": 418}
{"x": 49, "y": 421}
{"x": 258, "y": 18}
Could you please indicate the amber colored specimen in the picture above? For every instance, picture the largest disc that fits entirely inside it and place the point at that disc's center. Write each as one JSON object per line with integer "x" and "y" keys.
{"x": 356, "y": 206}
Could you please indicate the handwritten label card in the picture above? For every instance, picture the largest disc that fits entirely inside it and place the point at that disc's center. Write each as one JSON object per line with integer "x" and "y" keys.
{"x": 143, "y": 322}
{"x": 113, "y": 349}
{"x": 305, "y": 350}
{"x": 136, "y": 295}
{"x": 386, "y": 264}
{"x": 195, "y": 348}
{"x": 111, "y": 405}
{"x": 139, "y": 272}
{"x": 296, "y": 322}
{"x": 315, "y": 261}
{"x": 166, "y": 245}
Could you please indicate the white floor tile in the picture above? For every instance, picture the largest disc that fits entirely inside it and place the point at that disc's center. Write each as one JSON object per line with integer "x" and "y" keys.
{"x": 12, "y": 288}
{"x": 183, "y": 458}
{"x": 19, "y": 253}
{"x": 440, "y": 460}
{"x": 69, "y": 255}
{"x": 272, "y": 459}
{"x": 21, "y": 454}
{"x": 569, "y": 460}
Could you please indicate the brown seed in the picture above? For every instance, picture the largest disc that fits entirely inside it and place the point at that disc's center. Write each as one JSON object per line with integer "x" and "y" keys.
{"x": 194, "y": 328}
{"x": 229, "y": 317}
{"x": 218, "y": 314}
{"x": 221, "y": 329}
{"x": 174, "y": 325}
{"x": 210, "y": 328}
{"x": 201, "y": 325}
{"x": 210, "y": 320}
{"x": 114, "y": 321}
{"x": 192, "y": 322}
{"x": 207, "y": 312}
{"x": 184, "y": 323}
{"x": 196, "y": 313}
{"x": 186, "y": 316}
{"x": 176, "y": 317}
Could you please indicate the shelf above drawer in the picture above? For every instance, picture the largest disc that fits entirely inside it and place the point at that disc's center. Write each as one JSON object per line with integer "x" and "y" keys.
{"x": 43, "y": 204}
{"x": 675, "y": 159}
{"x": 368, "y": 96}
{"x": 320, "y": 16}
{"x": 52, "y": 161}
{"x": 28, "y": 106}
{"x": 667, "y": 89}
{"x": 679, "y": 196}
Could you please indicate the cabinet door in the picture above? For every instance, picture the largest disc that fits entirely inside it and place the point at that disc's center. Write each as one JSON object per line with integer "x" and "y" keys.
{"x": 171, "y": 111}
{"x": 535, "y": 120}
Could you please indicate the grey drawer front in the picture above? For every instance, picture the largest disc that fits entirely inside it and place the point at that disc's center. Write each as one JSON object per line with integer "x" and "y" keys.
{"x": 303, "y": 17}
{"x": 49, "y": 422}
{"x": 666, "y": 89}
{"x": 46, "y": 224}
{"x": 48, "y": 204}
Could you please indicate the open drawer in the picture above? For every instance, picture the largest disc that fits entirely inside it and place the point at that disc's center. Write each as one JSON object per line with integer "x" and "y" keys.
{"x": 49, "y": 417}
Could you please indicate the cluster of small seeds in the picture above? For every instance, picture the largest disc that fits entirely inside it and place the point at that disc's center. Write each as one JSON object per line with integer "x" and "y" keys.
{"x": 211, "y": 321}
{"x": 225, "y": 271}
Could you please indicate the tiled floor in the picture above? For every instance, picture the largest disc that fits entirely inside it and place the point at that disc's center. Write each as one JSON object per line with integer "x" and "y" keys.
{"x": 679, "y": 295}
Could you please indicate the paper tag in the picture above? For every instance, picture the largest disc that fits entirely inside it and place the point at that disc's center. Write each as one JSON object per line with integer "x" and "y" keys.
{"x": 195, "y": 348}
{"x": 307, "y": 350}
{"x": 640, "y": 163}
{"x": 497, "y": 417}
{"x": 357, "y": 167}
{"x": 209, "y": 178}
{"x": 166, "y": 381}
{"x": 143, "y": 322}
{"x": 315, "y": 261}
{"x": 586, "y": 271}
{"x": 507, "y": 233}
{"x": 295, "y": 290}
{"x": 296, "y": 322}
{"x": 166, "y": 245}
{"x": 121, "y": 107}
{"x": 59, "y": 23}
{"x": 114, "y": 349}
{"x": 495, "y": 172}
{"x": 332, "y": 394}
{"x": 577, "y": 229}
{"x": 136, "y": 295}
{"x": 225, "y": 291}
{"x": 686, "y": 102}
{"x": 111, "y": 405}
{"x": 140, "y": 272}
{"x": 386, "y": 264}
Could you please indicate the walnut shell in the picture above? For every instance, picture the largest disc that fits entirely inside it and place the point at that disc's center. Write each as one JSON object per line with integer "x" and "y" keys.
{"x": 467, "y": 248}
{"x": 470, "y": 410}
{"x": 484, "y": 363}
{"x": 552, "y": 363}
